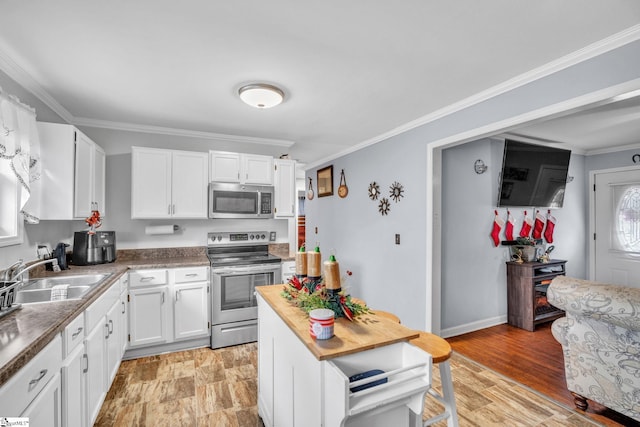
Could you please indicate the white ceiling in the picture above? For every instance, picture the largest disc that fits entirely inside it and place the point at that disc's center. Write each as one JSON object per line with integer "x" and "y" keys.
{"x": 351, "y": 71}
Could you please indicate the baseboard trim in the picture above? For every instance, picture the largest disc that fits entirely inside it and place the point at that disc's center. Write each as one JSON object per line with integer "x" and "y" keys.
{"x": 154, "y": 350}
{"x": 473, "y": 326}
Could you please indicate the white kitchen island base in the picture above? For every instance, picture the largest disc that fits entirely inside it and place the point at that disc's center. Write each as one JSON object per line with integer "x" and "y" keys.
{"x": 298, "y": 388}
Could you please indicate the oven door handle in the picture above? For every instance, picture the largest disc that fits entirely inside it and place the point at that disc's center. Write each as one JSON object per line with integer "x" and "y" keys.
{"x": 242, "y": 270}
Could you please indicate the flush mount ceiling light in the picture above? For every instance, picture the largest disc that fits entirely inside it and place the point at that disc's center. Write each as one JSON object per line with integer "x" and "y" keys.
{"x": 261, "y": 95}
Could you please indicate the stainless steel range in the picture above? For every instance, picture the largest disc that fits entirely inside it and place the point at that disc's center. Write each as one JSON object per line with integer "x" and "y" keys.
{"x": 240, "y": 261}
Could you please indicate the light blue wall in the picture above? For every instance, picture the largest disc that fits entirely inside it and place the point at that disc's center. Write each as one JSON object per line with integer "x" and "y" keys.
{"x": 473, "y": 284}
{"x": 473, "y": 269}
{"x": 387, "y": 276}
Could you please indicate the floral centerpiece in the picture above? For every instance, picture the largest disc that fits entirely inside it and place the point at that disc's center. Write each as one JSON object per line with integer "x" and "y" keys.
{"x": 310, "y": 294}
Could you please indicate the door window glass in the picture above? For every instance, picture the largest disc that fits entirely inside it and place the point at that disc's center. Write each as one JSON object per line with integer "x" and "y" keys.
{"x": 628, "y": 219}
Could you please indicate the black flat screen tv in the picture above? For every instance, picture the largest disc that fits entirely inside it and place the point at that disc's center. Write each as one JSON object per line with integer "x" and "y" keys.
{"x": 533, "y": 175}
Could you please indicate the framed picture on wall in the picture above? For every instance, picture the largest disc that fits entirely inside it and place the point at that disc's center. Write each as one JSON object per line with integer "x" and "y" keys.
{"x": 325, "y": 181}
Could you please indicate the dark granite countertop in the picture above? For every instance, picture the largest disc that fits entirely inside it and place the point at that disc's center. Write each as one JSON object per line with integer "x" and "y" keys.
{"x": 25, "y": 332}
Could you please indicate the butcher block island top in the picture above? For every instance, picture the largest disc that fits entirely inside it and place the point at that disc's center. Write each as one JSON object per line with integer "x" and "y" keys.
{"x": 365, "y": 332}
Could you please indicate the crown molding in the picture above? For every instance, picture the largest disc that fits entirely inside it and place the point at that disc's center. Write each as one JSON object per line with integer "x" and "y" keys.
{"x": 160, "y": 130}
{"x": 600, "y": 47}
{"x": 17, "y": 73}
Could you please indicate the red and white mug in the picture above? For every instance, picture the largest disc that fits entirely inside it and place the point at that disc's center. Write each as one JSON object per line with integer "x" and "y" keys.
{"x": 321, "y": 321}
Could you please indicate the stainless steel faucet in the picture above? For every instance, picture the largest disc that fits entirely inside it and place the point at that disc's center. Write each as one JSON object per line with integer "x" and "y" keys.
{"x": 22, "y": 269}
{"x": 8, "y": 272}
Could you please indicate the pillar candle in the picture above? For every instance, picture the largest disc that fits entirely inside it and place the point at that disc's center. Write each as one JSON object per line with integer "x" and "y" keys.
{"x": 314, "y": 263}
{"x": 332, "y": 274}
{"x": 301, "y": 262}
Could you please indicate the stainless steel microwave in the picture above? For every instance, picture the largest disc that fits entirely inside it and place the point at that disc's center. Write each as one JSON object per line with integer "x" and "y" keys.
{"x": 228, "y": 200}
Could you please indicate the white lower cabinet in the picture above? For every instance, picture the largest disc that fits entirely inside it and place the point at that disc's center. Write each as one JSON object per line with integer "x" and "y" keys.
{"x": 296, "y": 389}
{"x": 148, "y": 316}
{"x": 34, "y": 391}
{"x": 168, "y": 306}
{"x": 191, "y": 310}
{"x": 73, "y": 388}
{"x": 45, "y": 408}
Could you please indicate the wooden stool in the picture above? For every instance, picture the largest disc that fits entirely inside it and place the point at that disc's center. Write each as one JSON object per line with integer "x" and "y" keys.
{"x": 387, "y": 315}
{"x": 440, "y": 351}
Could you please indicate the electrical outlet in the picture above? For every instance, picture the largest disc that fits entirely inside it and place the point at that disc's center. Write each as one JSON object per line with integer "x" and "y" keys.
{"x": 397, "y": 239}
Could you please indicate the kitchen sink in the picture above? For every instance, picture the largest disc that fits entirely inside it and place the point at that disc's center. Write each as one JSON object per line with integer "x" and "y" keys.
{"x": 40, "y": 290}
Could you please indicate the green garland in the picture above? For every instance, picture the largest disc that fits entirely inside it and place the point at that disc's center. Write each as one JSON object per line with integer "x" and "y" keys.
{"x": 311, "y": 294}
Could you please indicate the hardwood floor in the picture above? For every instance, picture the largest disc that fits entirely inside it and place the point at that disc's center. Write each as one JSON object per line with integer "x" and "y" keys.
{"x": 530, "y": 358}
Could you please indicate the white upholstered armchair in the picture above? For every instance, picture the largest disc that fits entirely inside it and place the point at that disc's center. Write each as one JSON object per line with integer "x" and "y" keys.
{"x": 600, "y": 337}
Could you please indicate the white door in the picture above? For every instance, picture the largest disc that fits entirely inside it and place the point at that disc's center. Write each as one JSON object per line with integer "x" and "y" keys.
{"x": 616, "y": 208}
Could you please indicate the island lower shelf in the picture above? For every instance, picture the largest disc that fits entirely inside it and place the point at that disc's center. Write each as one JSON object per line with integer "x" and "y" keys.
{"x": 306, "y": 382}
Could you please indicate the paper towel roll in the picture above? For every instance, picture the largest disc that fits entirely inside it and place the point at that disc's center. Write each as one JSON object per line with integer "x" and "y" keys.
{"x": 160, "y": 229}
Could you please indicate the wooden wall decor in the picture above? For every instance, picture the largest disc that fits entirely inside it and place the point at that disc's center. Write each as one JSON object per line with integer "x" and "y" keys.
{"x": 325, "y": 181}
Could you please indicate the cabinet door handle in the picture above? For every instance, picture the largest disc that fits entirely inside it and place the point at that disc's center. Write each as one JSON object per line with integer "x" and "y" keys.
{"x": 162, "y": 302}
{"x": 146, "y": 278}
{"x": 106, "y": 325}
{"x": 76, "y": 333}
{"x": 173, "y": 210}
{"x": 177, "y": 295}
{"x": 111, "y": 326}
{"x": 86, "y": 358}
{"x": 191, "y": 275}
{"x": 123, "y": 306}
{"x": 35, "y": 381}
{"x": 169, "y": 209}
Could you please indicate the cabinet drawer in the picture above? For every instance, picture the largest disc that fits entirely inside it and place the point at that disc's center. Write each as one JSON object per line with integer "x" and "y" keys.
{"x": 73, "y": 335}
{"x": 192, "y": 274}
{"x": 147, "y": 278}
{"x": 25, "y": 385}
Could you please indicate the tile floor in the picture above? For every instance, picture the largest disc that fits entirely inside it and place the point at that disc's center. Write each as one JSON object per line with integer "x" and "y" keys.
{"x": 200, "y": 387}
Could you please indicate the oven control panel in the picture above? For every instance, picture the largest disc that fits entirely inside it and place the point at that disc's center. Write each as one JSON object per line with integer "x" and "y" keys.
{"x": 240, "y": 238}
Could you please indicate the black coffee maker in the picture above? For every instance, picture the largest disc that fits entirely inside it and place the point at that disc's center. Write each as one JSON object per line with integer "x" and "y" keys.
{"x": 97, "y": 248}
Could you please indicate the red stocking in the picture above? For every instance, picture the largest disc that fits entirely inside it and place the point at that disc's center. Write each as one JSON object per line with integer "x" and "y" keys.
{"x": 538, "y": 225}
{"x": 551, "y": 224}
{"x": 508, "y": 231}
{"x": 526, "y": 226}
{"x": 497, "y": 226}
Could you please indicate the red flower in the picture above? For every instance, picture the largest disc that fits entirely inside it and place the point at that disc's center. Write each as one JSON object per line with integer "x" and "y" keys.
{"x": 347, "y": 312}
{"x": 349, "y": 272}
{"x": 295, "y": 282}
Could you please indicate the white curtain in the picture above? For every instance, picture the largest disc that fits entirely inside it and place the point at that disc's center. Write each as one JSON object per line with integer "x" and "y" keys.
{"x": 20, "y": 147}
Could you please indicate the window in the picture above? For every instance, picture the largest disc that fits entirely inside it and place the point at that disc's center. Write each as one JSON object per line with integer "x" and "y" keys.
{"x": 18, "y": 146}
{"x": 628, "y": 220}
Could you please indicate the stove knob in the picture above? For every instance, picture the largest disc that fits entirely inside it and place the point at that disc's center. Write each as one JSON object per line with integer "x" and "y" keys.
{"x": 219, "y": 238}
{"x": 263, "y": 237}
{"x": 251, "y": 236}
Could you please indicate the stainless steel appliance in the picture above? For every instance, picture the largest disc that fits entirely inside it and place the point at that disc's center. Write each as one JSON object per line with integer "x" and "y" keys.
{"x": 228, "y": 200}
{"x": 98, "y": 248}
{"x": 240, "y": 261}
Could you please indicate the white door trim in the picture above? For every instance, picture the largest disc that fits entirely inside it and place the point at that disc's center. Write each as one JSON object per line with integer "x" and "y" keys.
{"x": 433, "y": 269}
{"x": 592, "y": 217}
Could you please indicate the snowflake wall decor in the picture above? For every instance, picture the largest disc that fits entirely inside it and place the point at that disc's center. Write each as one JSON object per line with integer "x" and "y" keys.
{"x": 396, "y": 191}
{"x": 384, "y": 206}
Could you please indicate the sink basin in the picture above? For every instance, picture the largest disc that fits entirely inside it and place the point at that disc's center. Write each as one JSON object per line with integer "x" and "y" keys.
{"x": 39, "y": 290}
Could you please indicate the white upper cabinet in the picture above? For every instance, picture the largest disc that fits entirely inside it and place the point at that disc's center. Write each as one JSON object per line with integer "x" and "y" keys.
{"x": 224, "y": 166}
{"x": 73, "y": 173}
{"x": 285, "y": 188}
{"x": 257, "y": 169}
{"x": 168, "y": 183}
{"x": 241, "y": 168}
